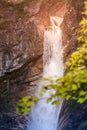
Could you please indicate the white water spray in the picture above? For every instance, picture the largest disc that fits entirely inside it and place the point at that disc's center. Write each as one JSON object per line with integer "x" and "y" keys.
{"x": 44, "y": 116}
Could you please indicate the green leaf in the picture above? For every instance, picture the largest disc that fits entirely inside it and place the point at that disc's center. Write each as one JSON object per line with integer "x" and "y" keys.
{"x": 82, "y": 93}
{"x": 68, "y": 97}
{"x": 80, "y": 100}
{"x": 74, "y": 87}
{"x": 57, "y": 102}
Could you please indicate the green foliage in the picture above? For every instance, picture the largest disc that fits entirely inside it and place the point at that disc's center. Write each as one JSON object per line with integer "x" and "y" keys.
{"x": 25, "y": 104}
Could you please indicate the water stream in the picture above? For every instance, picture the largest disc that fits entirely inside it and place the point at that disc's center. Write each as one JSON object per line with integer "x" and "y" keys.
{"x": 44, "y": 116}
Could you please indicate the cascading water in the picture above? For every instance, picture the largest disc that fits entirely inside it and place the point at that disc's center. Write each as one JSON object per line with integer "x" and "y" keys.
{"x": 44, "y": 116}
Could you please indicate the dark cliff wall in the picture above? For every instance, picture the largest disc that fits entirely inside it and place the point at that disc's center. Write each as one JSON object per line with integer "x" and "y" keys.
{"x": 73, "y": 116}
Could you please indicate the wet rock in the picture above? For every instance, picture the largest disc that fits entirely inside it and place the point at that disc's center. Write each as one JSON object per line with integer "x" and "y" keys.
{"x": 73, "y": 116}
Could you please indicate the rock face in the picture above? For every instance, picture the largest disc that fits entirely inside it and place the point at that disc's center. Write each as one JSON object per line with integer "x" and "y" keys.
{"x": 22, "y": 24}
{"x": 72, "y": 115}
{"x": 70, "y": 26}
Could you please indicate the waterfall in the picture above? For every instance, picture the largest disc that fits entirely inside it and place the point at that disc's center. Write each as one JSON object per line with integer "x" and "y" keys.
{"x": 44, "y": 116}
